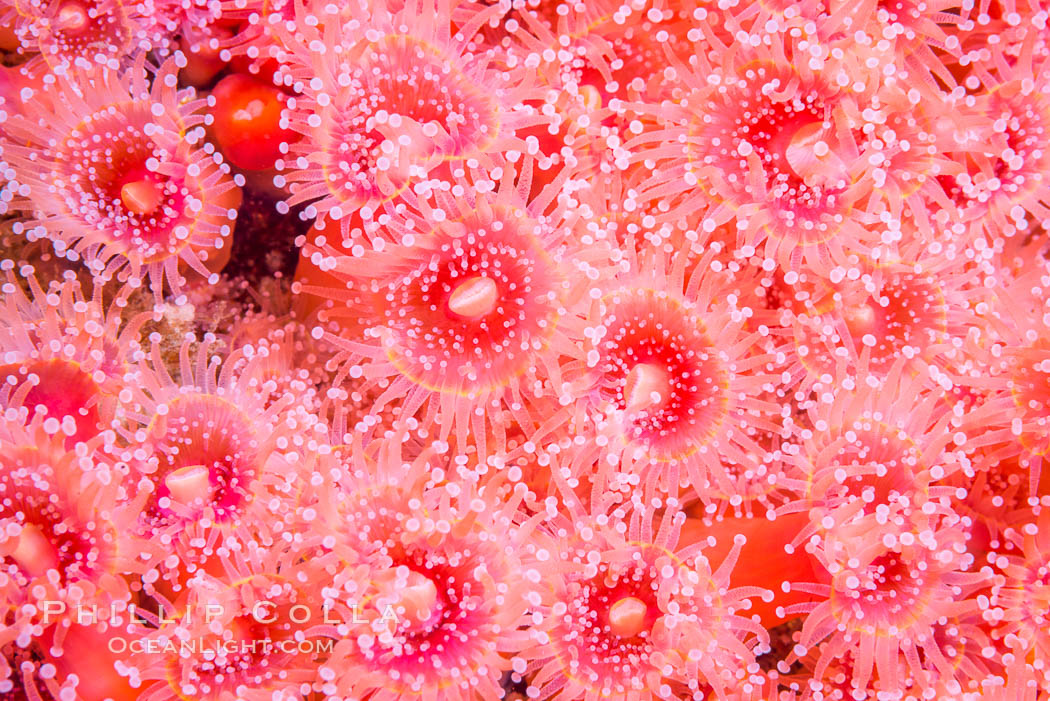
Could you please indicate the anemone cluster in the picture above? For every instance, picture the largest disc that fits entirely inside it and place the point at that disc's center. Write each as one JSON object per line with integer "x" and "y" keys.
{"x": 547, "y": 350}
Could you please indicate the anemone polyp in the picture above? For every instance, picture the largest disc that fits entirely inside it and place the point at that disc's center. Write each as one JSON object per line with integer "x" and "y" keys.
{"x": 620, "y": 610}
{"x": 875, "y": 468}
{"x": 107, "y": 156}
{"x": 350, "y": 165}
{"x": 1020, "y": 116}
{"x": 1022, "y": 600}
{"x": 469, "y": 307}
{"x": 65, "y": 351}
{"x": 440, "y": 560}
{"x": 117, "y": 174}
{"x": 218, "y": 453}
{"x": 630, "y": 618}
{"x": 414, "y": 597}
{"x": 762, "y": 143}
{"x": 617, "y": 52}
{"x": 658, "y": 364}
{"x": 783, "y": 152}
{"x": 52, "y": 533}
{"x": 890, "y": 594}
{"x": 259, "y": 607}
{"x": 394, "y": 102}
{"x": 897, "y": 313}
{"x": 207, "y": 450}
{"x": 413, "y": 79}
{"x": 909, "y": 142}
{"x": 457, "y": 302}
{"x": 1030, "y": 389}
{"x": 76, "y": 32}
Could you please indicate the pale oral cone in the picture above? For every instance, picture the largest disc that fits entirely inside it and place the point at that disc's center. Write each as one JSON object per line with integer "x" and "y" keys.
{"x": 627, "y": 617}
{"x": 474, "y": 298}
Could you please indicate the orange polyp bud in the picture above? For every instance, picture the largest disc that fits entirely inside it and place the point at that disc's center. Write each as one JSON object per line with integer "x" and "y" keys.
{"x": 71, "y": 17}
{"x": 627, "y": 617}
{"x": 203, "y": 59}
{"x": 250, "y": 111}
{"x": 247, "y": 124}
{"x": 141, "y": 196}
{"x": 189, "y": 484}
{"x": 646, "y": 387}
{"x": 764, "y": 561}
{"x": 33, "y": 551}
{"x": 474, "y": 298}
{"x": 8, "y": 39}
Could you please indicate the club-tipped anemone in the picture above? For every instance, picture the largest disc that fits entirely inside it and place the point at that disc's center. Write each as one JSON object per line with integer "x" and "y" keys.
{"x": 615, "y": 51}
{"x": 1008, "y": 404}
{"x": 632, "y": 614}
{"x": 465, "y": 309}
{"x": 113, "y": 169}
{"x": 80, "y": 33}
{"x": 999, "y": 494}
{"x": 224, "y": 446}
{"x": 208, "y": 454}
{"x": 890, "y": 590}
{"x": 63, "y": 352}
{"x": 244, "y": 34}
{"x": 673, "y": 374}
{"x": 894, "y": 311}
{"x": 61, "y": 523}
{"x": 474, "y": 302}
{"x": 166, "y": 25}
{"x": 60, "y": 390}
{"x": 963, "y": 642}
{"x": 398, "y": 98}
{"x": 768, "y": 145}
{"x": 919, "y": 37}
{"x": 247, "y": 625}
{"x": 908, "y": 140}
{"x": 410, "y": 78}
{"x": 282, "y": 356}
{"x": 1003, "y": 185}
{"x": 997, "y": 44}
{"x": 874, "y": 447}
{"x": 1021, "y": 680}
{"x": 447, "y": 584}
{"x": 253, "y": 639}
{"x": 1030, "y": 390}
{"x": 1020, "y": 602}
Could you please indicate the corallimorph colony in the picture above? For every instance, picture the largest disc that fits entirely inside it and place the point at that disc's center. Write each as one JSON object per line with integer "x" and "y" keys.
{"x": 549, "y": 350}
